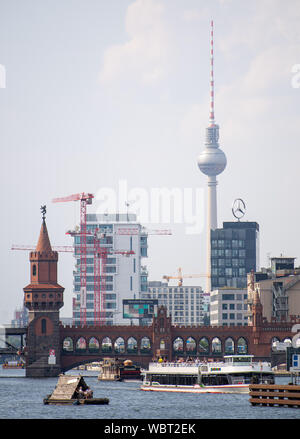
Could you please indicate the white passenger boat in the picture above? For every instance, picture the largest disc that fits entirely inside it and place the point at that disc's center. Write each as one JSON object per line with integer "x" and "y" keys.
{"x": 233, "y": 375}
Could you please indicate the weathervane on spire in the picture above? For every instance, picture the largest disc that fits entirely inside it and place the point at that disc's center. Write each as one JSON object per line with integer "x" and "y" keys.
{"x": 43, "y": 210}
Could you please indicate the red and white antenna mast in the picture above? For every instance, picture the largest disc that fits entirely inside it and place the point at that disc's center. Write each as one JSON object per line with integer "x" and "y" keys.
{"x": 212, "y": 89}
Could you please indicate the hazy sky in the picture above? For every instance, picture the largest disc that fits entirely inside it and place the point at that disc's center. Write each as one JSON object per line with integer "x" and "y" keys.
{"x": 99, "y": 91}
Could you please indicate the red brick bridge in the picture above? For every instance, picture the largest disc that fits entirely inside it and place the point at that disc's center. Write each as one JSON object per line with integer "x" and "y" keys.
{"x": 52, "y": 348}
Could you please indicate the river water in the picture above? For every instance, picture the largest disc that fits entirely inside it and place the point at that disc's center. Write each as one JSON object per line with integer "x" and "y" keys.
{"x": 22, "y": 398}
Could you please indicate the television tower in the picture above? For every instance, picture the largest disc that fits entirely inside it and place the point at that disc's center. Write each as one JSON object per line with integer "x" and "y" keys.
{"x": 212, "y": 161}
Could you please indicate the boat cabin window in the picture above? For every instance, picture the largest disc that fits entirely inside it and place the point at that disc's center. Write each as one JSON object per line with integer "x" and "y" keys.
{"x": 241, "y": 359}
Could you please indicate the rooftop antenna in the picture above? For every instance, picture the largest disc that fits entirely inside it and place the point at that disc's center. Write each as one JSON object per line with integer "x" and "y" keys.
{"x": 212, "y": 94}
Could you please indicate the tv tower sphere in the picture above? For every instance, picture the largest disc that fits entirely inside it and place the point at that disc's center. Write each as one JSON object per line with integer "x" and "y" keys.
{"x": 212, "y": 160}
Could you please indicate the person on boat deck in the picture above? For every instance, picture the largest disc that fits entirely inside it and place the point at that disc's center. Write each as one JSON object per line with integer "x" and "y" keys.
{"x": 80, "y": 393}
{"x": 88, "y": 393}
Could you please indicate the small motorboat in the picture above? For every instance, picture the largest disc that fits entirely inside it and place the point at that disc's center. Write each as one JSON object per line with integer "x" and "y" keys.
{"x": 72, "y": 389}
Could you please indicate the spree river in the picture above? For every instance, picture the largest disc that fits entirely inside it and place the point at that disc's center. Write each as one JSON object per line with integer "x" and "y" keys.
{"x": 22, "y": 398}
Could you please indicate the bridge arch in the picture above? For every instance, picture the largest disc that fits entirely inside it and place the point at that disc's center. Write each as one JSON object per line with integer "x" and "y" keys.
{"x": 106, "y": 345}
{"x": 132, "y": 345}
{"x": 119, "y": 345}
{"x": 191, "y": 346}
{"x": 145, "y": 345}
{"x": 216, "y": 345}
{"x": 81, "y": 344}
{"x": 229, "y": 346}
{"x": 204, "y": 346}
{"x": 178, "y": 345}
{"x": 93, "y": 344}
{"x": 242, "y": 346}
{"x": 68, "y": 344}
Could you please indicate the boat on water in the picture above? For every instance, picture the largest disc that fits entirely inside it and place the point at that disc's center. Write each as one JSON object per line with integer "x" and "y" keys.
{"x": 95, "y": 366}
{"x": 73, "y": 390}
{"x": 233, "y": 375}
{"x": 129, "y": 371}
{"x": 114, "y": 370}
{"x": 13, "y": 365}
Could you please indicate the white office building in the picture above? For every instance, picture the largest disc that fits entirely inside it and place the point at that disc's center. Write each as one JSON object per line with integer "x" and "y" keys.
{"x": 184, "y": 304}
{"x": 125, "y": 277}
{"x": 228, "y": 307}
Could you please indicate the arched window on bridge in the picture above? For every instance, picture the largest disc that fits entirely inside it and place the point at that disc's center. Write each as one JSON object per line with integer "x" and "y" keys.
{"x": 191, "y": 346}
{"x": 274, "y": 341}
{"x": 203, "y": 346}
{"x": 178, "y": 345}
{"x": 93, "y": 344}
{"x": 162, "y": 344}
{"x": 131, "y": 345}
{"x": 120, "y": 345}
{"x": 81, "y": 344}
{"x": 229, "y": 346}
{"x": 106, "y": 345}
{"x": 288, "y": 340}
{"x": 216, "y": 345}
{"x": 242, "y": 346}
{"x": 145, "y": 345}
{"x": 44, "y": 326}
{"x": 68, "y": 344}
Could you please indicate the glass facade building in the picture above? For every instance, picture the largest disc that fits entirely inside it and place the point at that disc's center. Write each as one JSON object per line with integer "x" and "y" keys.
{"x": 234, "y": 253}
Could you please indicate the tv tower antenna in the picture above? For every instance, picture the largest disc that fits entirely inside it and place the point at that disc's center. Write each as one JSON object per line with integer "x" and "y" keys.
{"x": 212, "y": 85}
{"x": 212, "y": 160}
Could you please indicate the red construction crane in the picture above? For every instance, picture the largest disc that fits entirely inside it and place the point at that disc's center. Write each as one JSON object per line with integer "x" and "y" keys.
{"x": 100, "y": 261}
{"x": 84, "y": 198}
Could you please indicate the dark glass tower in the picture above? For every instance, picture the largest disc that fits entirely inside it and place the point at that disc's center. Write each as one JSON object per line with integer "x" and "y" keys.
{"x": 234, "y": 253}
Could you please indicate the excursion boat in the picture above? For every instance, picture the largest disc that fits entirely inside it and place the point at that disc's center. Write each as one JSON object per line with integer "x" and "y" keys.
{"x": 94, "y": 366}
{"x": 233, "y": 375}
{"x": 13, "y": 365}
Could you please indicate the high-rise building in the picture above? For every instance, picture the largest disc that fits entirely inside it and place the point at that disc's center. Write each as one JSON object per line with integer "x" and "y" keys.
{"x": 228, "y": 307}
{"x": 278, "y": 289}
{"x": 212, "y": 161}
{"x": 234, "y": 253}
{"x": 125, "y": 276}
{"x": 184, "y": 303}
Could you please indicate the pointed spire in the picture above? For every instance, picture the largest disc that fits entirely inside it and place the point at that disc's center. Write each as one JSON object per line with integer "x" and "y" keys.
{"x": 43, "y": 244}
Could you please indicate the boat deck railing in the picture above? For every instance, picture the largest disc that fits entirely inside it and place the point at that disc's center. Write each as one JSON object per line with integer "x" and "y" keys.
{"x": 253, "y": 364}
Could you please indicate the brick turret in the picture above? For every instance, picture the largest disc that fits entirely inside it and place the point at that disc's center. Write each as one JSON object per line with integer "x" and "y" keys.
{"x": 43, "y": 297}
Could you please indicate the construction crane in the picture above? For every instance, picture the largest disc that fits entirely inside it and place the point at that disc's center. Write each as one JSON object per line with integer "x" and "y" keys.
{"x": 180, "y": 276}
{"x": 100, "y": 261}
{"x": 62, "y": 248}
{"x": 136, "y": 231}
{"x": 84, "y": 198}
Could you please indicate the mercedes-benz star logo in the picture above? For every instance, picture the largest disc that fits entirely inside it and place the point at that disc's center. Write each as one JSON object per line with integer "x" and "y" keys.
{"x": 238, "y": 208}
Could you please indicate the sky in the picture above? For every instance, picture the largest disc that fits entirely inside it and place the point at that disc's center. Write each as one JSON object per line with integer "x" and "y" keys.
{"x": 98, "y": 92}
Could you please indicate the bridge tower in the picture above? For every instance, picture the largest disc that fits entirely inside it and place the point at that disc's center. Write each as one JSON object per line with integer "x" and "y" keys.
{"x": 43, "y": 297}
{"x": 161, "y": 335}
